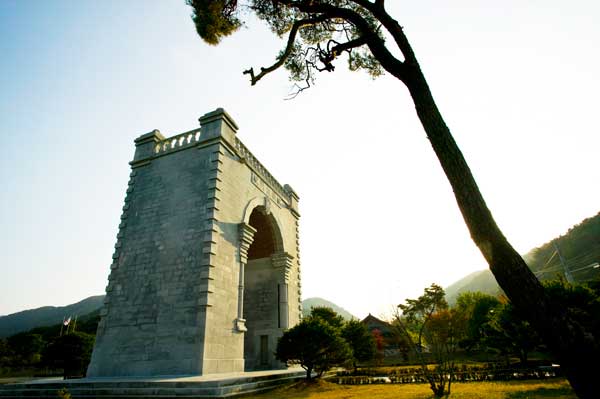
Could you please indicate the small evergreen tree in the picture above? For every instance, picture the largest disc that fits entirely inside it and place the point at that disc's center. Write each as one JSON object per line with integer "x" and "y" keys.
{"x": 477, "y": 309}
{"x": 360, "y": 340}
{"x": 313, "y": 344}
{"x": 70, "y": 352}
{"x": 508, "y": 332}
{"x": 581, "y": 301}
{"x": 328, "y": 315}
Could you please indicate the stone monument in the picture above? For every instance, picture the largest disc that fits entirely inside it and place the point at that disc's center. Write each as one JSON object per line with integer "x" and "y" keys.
{"x": 205, "y": 275}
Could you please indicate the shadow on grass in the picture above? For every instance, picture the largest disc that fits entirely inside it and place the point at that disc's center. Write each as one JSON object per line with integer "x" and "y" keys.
{"x": 303, "y": 389}
{"x": 543, "y": 393}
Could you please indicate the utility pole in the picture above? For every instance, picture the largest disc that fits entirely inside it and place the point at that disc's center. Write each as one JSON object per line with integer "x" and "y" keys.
{"x": 563, "y": 262}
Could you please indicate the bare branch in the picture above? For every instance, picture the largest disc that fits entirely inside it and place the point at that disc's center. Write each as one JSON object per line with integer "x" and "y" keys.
{"x": 299, "y": 90}
{"x": 309, "y": 53}
{"x": 288, "y": 49}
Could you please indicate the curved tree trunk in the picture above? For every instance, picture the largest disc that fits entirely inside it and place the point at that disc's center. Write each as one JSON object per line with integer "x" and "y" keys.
{"x": 574, "y": 347}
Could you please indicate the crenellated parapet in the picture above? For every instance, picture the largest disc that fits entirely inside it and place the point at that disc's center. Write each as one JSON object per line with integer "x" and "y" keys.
{"x": 215, "y": 124}
{"x": 178, "y": 142}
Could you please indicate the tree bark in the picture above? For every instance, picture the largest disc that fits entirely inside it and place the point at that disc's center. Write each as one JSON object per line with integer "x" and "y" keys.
{"x": 309, "y": 374}
{"x": 574, "y": 347}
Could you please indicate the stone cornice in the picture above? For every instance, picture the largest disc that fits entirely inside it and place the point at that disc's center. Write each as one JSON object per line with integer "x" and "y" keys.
{"x": 246, "y": 234}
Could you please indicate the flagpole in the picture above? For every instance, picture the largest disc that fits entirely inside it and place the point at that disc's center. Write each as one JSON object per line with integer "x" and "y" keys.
{"x": 65, "y": 323}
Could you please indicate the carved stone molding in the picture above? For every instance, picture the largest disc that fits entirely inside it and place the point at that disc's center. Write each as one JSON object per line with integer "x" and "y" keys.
{"x": 285, "y": 261}
{"x": 240, "y": 325}
{"x": 246, "y": 233}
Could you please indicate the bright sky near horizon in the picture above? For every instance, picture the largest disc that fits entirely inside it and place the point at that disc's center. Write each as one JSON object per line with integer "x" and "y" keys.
{"x": 516, "y": 81}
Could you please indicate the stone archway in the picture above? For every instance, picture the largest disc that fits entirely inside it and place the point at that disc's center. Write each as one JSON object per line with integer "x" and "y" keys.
{"x": 263, "y": 288}
{"x": 175, "y": 297}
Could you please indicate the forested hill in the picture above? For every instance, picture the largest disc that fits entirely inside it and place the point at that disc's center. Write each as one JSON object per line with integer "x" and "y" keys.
{"x": 579, "y": 248}
{"x": 46, "y": 316}
{"x": 580, "y": 251}
{"x": 482, "y": 280}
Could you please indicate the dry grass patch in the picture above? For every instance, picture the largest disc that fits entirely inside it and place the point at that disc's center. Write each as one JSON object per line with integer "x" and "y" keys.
{"x": 556, "y": 389}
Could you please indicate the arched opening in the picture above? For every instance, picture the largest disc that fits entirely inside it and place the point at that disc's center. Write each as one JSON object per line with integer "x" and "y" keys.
{"x": 263, "y": 245}
{"x": 263, "y": 290}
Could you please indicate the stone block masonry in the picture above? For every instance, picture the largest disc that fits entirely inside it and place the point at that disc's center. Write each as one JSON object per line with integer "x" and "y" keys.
{"x": 205, "y": 275}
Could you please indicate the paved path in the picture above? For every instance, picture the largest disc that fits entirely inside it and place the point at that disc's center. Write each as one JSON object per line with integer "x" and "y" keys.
{"x": 167, "y": 378}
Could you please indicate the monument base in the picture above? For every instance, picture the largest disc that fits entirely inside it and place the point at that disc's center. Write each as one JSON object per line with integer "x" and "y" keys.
{"x": 208, "y": 386}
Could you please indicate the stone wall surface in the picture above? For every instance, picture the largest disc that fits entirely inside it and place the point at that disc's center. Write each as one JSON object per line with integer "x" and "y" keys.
{"x": 175, "y": 298}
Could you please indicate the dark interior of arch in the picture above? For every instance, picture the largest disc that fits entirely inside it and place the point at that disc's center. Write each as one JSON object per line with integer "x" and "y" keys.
{"x": 264, "y": 243}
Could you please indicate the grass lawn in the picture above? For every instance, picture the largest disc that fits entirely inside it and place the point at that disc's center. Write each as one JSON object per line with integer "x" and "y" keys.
{"x": 554, "y": 388}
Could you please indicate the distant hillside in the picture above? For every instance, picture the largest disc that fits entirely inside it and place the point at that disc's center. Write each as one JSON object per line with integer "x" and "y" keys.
{"x": 46, "y": 316}
{"x": 309, "y": 303}
{"x": 482, "y": 280}
{"x": 579, "y": 248}
{"x": 50, "y": 316}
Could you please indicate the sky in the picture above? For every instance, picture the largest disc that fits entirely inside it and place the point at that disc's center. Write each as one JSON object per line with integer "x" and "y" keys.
{"x": 517, "y": 83}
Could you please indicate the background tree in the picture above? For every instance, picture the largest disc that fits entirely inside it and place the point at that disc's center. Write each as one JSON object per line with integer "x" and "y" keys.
{"x": 445, "y": 330}
{"x": 26, "y": 349}
{"x": 5, "y": 356}
{"x": 361, "y": 341}
{"x": 328, "y": 315}
{"x": 318, "y": 33}
{"x": 581, "y": 301}
{"x": 379, "y": 341}
{"x": 70, "y": 352}
{"x": 315, "y": 345}
{"x": 418, "y": 312}
{"x": 507, "y": 332}
{"x": 429, "y": 320}
{"x": 476, "y": 308}
{"x": 401, "y": 341}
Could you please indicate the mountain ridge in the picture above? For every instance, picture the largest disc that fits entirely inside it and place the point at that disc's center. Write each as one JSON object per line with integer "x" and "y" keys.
{"x": 46, "y": 315}
{"x": 311, "y": 302}
{"x": 571, "y": 256}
